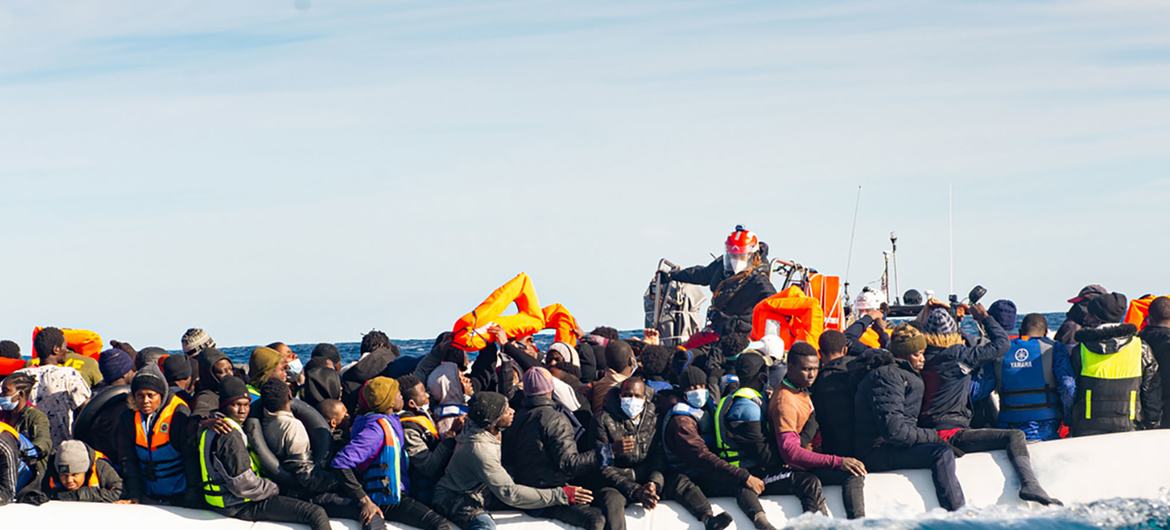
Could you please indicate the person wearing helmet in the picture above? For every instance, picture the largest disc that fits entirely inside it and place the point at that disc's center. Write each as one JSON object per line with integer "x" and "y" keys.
{"x": 738, "y": 281}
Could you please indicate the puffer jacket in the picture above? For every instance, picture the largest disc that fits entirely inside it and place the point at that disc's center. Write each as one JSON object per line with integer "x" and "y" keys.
{"x": 540, "y": 449}
{"x": 476, "y": 481}
{"x": 886, "y": 407}
{"x": 630, "y": 470}
{"x": 732, "y": 296}
{"x": 947, "y": 377}
{"x": 1109, "y": 339}
{"x": 1158, "y": 339}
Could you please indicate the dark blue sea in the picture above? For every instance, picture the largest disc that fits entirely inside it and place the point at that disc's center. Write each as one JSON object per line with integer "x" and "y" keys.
{"x": 419, "y": 347}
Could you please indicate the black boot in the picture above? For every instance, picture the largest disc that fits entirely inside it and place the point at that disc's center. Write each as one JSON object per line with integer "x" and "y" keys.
{"x": 717, "y": 522}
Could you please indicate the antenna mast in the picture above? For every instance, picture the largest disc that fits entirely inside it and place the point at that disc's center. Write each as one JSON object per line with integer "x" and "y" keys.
{"x": 852, "y": 233}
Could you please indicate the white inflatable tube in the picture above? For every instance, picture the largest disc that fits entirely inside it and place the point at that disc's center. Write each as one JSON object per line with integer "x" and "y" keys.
{"x": 1080, "y": 470}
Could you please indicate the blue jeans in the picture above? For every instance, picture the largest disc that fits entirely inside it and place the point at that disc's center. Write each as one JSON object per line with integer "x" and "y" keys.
{"x": 482, "y": 521}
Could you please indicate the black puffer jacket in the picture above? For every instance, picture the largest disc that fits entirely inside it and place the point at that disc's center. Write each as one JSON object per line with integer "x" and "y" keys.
{"x": 832, "y": 396}
{"x": 886, "y": 407}
{"x": 1107, "y": 340}
{"x": 371, "y": 365}
{"x": 947, "y": 376}
{"x": 1158, "y": 339}
{"x": 630, "y": 470}
{"x": 540, "y": 448}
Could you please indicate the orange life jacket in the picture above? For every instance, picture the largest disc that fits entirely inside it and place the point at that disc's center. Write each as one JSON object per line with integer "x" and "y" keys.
{"x": 556, "y": 317}
{"x": 423, "y": 421}
{"x": 1138, "y": 310}
{"x": 81, "y": 341}
{"x": 798, "y": 317}
{"x": 93, "y": 481}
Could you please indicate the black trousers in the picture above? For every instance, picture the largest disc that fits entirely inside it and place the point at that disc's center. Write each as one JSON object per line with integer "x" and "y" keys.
{"x": 681, "y": 488}
{"x": 805, "y": 486}
{"x": 283, "y": 509}
{"x": 938, "y": 458}
{"x": 1013, "y": 440}
{"x": 852, "y": 489}
{"x": 586, "y": 517}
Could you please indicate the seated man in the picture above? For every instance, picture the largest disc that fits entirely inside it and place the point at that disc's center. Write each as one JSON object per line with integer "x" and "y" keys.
{"x": 1035, "y": 382}
{"x": 231, "y": 484}
{"x": 739, "y": 425}
{"x": 475, "y": 480}
{"x": 886, "y": 409}
{"x": 626, "y": 429}
{"x": 337, "y": 416}
{"x": 541, "y": 450}
{"x": 790, "y": 409}
{"x": 377, "y": 454}
{"x": 81, "y": 474}
{"x": 17, "y": 477}
{"x": 427, "y": 451}
{"x": 946, "y": 399}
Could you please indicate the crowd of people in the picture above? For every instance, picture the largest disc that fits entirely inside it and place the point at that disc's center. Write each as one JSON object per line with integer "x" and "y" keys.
{"x": 487, "y": 421}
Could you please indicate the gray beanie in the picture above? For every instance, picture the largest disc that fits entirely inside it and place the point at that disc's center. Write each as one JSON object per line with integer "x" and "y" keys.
{"x": 72, "y": 457}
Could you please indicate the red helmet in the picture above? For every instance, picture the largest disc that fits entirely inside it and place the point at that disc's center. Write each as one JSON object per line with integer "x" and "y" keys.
{"x": 742, "y": 241}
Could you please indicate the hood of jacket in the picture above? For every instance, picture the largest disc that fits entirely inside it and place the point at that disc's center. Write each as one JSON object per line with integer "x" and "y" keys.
{"x": 1107, "y": 338}
{"x": 445, "y": 386}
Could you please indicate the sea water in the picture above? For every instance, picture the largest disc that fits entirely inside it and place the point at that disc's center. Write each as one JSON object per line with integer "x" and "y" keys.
{"x": 418, "y": 347}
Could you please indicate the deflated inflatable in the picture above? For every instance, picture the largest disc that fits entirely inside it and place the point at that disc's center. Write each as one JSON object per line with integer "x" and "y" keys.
{"x": 1078, "y": 470}
{"x": 790, "y": 314}
{"x": 7, "y": 366}
{"x": 81, "y": 341}
{"x": 470, "y": 331}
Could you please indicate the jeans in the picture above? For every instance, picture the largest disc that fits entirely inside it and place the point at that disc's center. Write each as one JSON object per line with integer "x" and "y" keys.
{"x": 482, "y": 521}
{"x": 339, "y": 507}
{"x": 283, "y": 509}
{"x": 679, "y": 487}
{"x": 938, "y": 458}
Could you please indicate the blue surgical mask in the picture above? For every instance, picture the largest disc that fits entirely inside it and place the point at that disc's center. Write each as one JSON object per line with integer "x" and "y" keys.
{"x": 632, "y": 406}
{"x": 7, "y": 403}
{"x": 697, "y": 398}
{"x": 295, "y": 367}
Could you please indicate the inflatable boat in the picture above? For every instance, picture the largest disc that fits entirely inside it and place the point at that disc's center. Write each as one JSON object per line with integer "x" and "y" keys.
{"x": 1079, "y": 470}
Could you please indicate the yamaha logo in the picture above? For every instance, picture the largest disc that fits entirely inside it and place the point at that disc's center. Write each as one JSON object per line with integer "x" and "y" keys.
{"x": 1021, "y": 355}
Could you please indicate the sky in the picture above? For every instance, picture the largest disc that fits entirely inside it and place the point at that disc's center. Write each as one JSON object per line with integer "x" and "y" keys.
{"x": 306, "y": 171}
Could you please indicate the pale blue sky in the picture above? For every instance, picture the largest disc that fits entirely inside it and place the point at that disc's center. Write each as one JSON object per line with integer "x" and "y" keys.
{"x": 307, "y": 171}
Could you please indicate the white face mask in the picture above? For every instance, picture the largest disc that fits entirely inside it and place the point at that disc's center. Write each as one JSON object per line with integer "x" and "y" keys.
{"x": 295, "y": 366}
{"x": 697, "y": 398}
{"x": 633, "y": 406}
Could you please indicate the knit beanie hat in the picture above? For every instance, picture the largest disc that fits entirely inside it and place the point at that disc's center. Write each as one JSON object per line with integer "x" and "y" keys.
{"x": 1110, "y": 308}
{"x": 749, "y": 365}
{"x": 262, "y": 364}
{"x": 379, "y": 394}
{"x": 149, "y": 377}
{"x": 72, "y": 457}
{"x": 114, "y": 363}
{"x": 906, "y": 340}
{"x": 486, "y": 407}
{"x": 538, "y": 382}
{"x": 231, "y": 389}
{"x": 176, "y": 367}
{"x": 690, "y": 377}
{"x": 1004, "y": 313}
{"x": 567, "y": 352}
{"x": 940, "y": 322}
{"x": 196, "y": 340}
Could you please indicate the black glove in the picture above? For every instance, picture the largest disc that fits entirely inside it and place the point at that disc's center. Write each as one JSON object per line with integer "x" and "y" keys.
{"x": 35, "y": 498}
